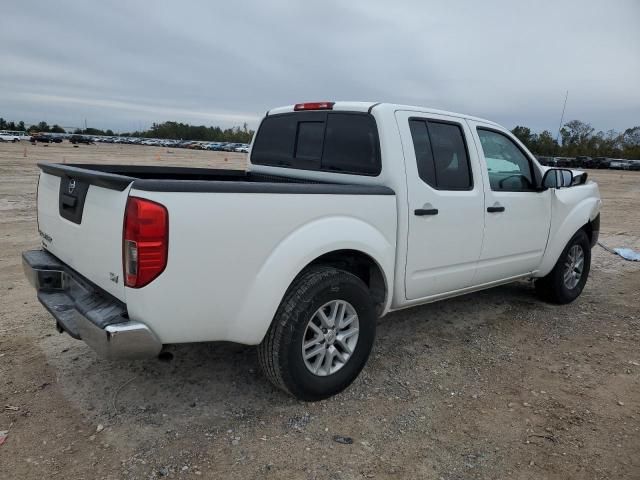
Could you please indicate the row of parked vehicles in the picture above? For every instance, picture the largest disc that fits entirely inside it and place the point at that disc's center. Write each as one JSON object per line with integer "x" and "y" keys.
{"x": 190, "y": 144}
{"x": 590, "y": 162}
{"x": 89, "y": 140}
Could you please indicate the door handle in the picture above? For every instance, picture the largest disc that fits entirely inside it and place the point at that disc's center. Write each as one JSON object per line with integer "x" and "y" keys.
{"x": 68, "y": 201}
{"x": 425, "y": 211}
{"x": 495, "y": 208}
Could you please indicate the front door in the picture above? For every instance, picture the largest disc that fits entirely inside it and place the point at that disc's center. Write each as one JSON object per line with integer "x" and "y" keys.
{"x": 446, "y": 204}
{"x": 518, "y": 214}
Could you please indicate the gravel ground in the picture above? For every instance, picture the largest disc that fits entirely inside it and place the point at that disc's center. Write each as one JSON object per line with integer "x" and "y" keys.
{"x": 495, "y": 384}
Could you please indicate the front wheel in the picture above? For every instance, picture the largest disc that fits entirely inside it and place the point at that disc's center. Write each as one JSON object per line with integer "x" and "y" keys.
{"x": 567, "y": 279}
{"x": 321, "y": 335}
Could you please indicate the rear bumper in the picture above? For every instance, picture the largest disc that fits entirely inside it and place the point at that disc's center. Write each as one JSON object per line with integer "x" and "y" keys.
{"x": 85, "y": 312}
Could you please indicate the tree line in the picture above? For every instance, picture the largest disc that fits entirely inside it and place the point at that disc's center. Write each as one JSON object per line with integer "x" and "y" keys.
{"x": 168, "y": 130}
{"x": 185, "y": 131}
{"x": 578, "y": 138}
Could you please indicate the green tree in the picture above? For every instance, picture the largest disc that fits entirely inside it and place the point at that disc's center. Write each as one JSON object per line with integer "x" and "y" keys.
{"x": 630, "y": 143}
{"x": 546, "y": 144}
{"x": 524, "y": 135}
{"x": 57, "y": 129}
{"x": 576, "y": 138}
{"x": 43, "y": 127}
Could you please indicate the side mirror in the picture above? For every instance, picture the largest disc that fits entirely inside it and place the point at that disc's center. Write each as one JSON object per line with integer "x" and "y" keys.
{"x": 557, "y": 178}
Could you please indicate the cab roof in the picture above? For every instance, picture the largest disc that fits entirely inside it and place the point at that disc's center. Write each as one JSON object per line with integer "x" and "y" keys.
{"x": 369, "y": 106}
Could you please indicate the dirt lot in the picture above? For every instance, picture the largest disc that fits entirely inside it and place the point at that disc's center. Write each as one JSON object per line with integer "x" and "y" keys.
{"x": 492, "y": 385}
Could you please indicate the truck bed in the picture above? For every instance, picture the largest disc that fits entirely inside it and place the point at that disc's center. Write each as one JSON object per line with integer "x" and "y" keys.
{"x": 186, "y": 179}
{"x": 236, "y": 239}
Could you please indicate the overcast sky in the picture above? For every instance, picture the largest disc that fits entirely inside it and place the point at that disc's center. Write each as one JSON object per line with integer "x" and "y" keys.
{"x": 123, "y": 65}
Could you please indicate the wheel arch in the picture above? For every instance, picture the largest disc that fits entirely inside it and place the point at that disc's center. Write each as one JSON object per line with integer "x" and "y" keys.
{"x": 361, "y": 249}
{"x": 583, "y": 216}
{"x": 363, "y": 266}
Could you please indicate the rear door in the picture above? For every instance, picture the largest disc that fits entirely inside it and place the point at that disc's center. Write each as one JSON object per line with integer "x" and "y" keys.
{"x": 518, "y": 214}
{"x": 446, "y": 204}
{"x": 81, "y": 224}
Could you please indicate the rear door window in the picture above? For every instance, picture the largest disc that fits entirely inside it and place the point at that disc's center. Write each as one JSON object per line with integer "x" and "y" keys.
{"x": 441, "y": 154}
{"x": 342, "y": 142}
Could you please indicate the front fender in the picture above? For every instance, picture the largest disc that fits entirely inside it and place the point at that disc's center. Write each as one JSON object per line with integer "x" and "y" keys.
{"x": 571, "y": 209}
{"x": 298, "y": 250}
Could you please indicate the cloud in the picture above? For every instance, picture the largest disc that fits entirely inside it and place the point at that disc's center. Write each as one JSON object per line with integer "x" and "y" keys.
{"x": 125, "y": 65}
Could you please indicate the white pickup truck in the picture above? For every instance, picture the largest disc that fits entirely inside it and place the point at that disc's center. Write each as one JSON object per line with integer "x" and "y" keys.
{"x": 13, "y": 136}
{"x": 349, "y": 211}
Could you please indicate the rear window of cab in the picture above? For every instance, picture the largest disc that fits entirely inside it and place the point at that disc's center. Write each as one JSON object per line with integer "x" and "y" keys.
{"x": 339, "y": 142}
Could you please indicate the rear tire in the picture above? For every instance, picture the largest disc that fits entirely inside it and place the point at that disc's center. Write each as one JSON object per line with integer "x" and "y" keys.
{"x": 567, "y": 279}
{"x": 300, "y": 321}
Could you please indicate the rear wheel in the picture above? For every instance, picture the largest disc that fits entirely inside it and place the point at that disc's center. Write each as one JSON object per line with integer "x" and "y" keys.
{"x": 567, "y": 279}
{"x": 321, "y": 335}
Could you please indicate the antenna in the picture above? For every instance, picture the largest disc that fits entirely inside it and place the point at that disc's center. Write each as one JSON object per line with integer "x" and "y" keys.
{"x": 562, "y": 116}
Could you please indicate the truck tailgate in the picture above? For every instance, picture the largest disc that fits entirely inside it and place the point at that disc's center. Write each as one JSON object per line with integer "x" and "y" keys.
{"x": 81, "y": 223}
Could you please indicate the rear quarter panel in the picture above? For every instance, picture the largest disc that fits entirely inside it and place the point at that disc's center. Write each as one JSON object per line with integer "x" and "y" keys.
{"x": 233, "y": 255}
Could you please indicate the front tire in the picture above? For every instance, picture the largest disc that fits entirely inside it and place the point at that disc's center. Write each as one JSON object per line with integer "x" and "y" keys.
{"x": 321, "y": 335}
{"x": 567, "y": 279}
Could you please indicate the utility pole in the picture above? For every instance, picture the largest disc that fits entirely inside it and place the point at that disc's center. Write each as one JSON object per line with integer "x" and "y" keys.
{"x": 562, "y": 116}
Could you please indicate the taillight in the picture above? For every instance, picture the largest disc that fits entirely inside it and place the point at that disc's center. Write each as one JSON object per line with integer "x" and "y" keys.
{"x": 313, "y": 106}
{"x": 145, "y": 241}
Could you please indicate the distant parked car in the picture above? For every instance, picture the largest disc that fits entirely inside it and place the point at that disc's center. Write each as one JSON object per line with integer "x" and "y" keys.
{"x": 81, "y": 139}
{"x": 546, "y": 161}
{"x": 582, "y": 161}
{"x": 45, "y": 138}
{"x": 619, "y": 164}
{"x": 242, "y": 149}
{"x": 12, "y": 136}
{"x": 563, "y": 162}
{"x": 589, "y": 162}
{"x": 634, "y": 165}
{"x": 602, "y": 162}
